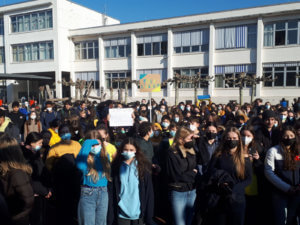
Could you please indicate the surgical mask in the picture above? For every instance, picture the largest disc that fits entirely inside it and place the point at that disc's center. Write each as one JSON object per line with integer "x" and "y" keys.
{"x": 128, "y": 155}
{"x": 156, "y": 133}
{"x": 173, "y": 133}
{"x": 165, "y": 124}
{"x": 291, "y": 118}
{"x": 96, "y": 149}
{"x": 123, "y": 131}
{"x": 56, "y": 130}
{"x": 162, "y": 110}
{"x": 283, "y": 117}
{"x": 152, "y": 134}
{"x": 76, "y": 131}
{"x": 276, "y": 125}
{"x": 188, "y": 108}
{"x": 182, "y": 107}
{"x": 231, "y": 143}
{"x": 142, "y": 118}
{"x": 33, "y": 117}
{"x": 268, "y": 106}
{"x": 193, "y": 127}
{"x": 37, "y": 148}
{"x": 66, "y": 136}
{"x": 49, "y": 109}
{"x": 246, "y": 140}
{"x": 220, "y": 107}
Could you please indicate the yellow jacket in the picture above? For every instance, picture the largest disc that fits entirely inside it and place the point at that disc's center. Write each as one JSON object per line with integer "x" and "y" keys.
{"x": 55, "y": 138}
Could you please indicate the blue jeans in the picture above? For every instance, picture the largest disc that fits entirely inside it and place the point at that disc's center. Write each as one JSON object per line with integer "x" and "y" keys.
{"x": 286, "y": 208}
{"x": 182, "y": 204}
{"x": 93, "y": 206}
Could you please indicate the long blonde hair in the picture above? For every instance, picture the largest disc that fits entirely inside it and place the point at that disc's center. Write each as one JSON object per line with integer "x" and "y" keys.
{"x": 11, "y": 156}
{"x": 181, "y": 133}
{"x": 93, "y": 173}
{"x": 238, "y": 155}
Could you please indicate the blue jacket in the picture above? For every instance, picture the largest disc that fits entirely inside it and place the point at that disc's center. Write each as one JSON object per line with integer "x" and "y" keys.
{"x": 47, "y": 118}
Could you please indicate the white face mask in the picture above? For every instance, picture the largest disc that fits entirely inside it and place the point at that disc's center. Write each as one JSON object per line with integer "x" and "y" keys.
{"x": 247, "y": 140}
{"x": 49, "y": 109}
{"x": 193, "y": 127}
{"x": 33, "y": 117}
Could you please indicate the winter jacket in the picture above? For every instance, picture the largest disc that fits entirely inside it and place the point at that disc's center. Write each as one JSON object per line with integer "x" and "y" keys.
{"x": 18, "y": 119}
{"x": 47, "y": 118}
{"x": 32, "y": 127}
{"x": 11, "y": 129}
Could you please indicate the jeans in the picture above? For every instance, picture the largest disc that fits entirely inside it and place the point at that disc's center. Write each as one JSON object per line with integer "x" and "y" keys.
{"x": 182, "y": 204}
{"x": 286, "y": 208}
{"x": 93, "y": 206}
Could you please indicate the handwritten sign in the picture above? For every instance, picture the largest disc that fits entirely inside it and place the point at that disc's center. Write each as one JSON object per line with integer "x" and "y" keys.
{"x": 121, "y": 117}
{"x": 150, "y": 82}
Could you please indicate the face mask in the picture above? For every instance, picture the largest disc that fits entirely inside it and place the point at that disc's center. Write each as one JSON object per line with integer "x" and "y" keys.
{"x": 165, "y": 124}
{"x": 288, "y": 142}
{"x": 128, "y": 155}
{"x": 66, "y": 136}
{"x": 37, "y": 148}
{"x": 96, "y": 149}
{"x": 56, "y": 130}
{"x": 162, "y": 110}
{"x": 49, "y": 109}
{"x": 188, "y": 108}
{"x": 142, "y": 118}
{"x": 152, "y": 134}
{"x": 176, "y": 119}
{"x": 231, "y": 143}
{"x": 246, "y": 140}
{"x": 33, "y": 117}
{"x": 276, "y": 125}
{"x": 182, "y": 107}
{"x": 220, "y": 107}
{"x": 291, "y": 118}
{"x": 189, "y": 144}
{"x": 268, "y": 106}
{"x": 193, "y": 127}
{"x": 211, "y": 135}
{"x": 156, "y": 133}
{"x": 123, "y": 131}
{"x": 172, "y": 133}
{"x": 283, "y": 117}
{"x": 137, "y": 108}
{"x": 76, "y": 131}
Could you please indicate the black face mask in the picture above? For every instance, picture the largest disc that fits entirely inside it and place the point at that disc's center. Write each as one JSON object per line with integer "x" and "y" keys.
{"x": 230, "y": 144}
{"x": 288, "y": 142}
{"x": 211, "y": 136}
{"x": 189, "y": 144}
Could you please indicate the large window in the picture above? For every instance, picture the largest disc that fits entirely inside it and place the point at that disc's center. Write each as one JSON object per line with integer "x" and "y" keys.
{"x": 236, "y": 37}
{"x": 231, "y": 74}
{"x": 117, "y": 48}
{"x": 152, "y": 45}
{"x": 33, "y": 51}
{"x": 281, "y": 33}
{"x": 2, "y": 55}
{"x": 191, "y": 41}
{"x": 88, "y": 76}
{"x": 32, "y": 21}
{"x": 203, "y": 72}
{"x": 282, "y": 74}
{"x": 86, "y": 50}
{"x": 112, "y": 79}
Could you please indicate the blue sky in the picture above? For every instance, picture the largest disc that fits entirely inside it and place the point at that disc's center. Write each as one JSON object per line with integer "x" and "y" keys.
{"x": 138, "y": 10}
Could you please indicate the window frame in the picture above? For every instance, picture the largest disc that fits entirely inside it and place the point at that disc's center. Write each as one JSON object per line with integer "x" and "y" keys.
{"x": 81, "y": 50}
{"x": 110, "y": 75}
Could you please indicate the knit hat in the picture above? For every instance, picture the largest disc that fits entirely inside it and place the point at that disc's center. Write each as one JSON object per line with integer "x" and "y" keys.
{"x": 268, "y": 114}
{"x": 158, "y": 125}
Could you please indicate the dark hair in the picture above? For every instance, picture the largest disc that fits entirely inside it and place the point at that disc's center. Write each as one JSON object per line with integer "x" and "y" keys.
{"x": 33, "y": 137}
{"x": 143, "y": 165}
{"x": 68, "y": 102}
{"x": 2, "y": 113}
{"x": 211, "y": 124}
{"x": 63, "y": 129}
{"x": 144, "y": 128}
{"x": 289, "y": 156}
{"x": 15, "y": 104}
{"x": 165, "y": 117}
{"x": 55, "y": 123}
{"x": 49, "y": 103}
{"x": 46, "y": 135}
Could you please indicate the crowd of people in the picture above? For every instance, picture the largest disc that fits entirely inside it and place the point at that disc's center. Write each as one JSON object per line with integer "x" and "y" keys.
{"x": 186, "y": 164}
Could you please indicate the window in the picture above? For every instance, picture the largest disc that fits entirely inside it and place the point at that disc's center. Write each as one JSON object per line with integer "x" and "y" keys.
{"x": 191, "y": 41}
{"x": 33, "y": 51}
{"x": 88, "y": 76}
{"x": 163, "y": 73}
{"x": 232, "y": 74}
{"x": 244, "y": 36}
{"x": 117, "y": 48}
{"x": 32, "y": 21}
{"x": 152, "y": 45}
{"x": 110, "y": 78}
{"x": 281, "y": 33}
{"x": 1, "y": 26}
{"x": 193, "y": 72}
{"x": 285, "y": 74}
{"x": 2, "y": 55}
{"x": 86, "y": 50}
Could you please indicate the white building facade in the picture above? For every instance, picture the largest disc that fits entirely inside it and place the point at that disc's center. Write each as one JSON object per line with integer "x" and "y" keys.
{"x": 80, "y": 43}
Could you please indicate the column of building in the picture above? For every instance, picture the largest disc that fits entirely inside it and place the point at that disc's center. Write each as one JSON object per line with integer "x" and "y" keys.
{"x": 259, "y": 54}
{"x": 211, "y": 62}
{"x": 133, "y": 64}
{"x": 101, "y": 63}
{"x": 170, "y": 62}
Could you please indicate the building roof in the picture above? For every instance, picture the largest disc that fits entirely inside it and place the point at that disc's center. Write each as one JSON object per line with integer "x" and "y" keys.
{"x": 227, "y": 15}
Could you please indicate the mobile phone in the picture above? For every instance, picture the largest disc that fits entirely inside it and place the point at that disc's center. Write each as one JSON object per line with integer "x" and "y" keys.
{"x": 252, "y": 151}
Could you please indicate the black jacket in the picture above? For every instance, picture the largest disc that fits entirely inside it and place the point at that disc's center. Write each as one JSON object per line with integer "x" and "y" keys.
{"x": 18, "y": 119}
{"x": 146, "y": 199}
{"x": 13, "y": 131}
{"x": 203, "y": 155}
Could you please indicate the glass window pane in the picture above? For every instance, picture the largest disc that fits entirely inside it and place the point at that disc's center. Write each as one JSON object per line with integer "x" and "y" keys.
{"x": 121, "y": 51}
{"x": 291, "y": 78}
{"x": 229, "y": 83}
{"x": 114, "y": 51}
{"x": 83, "y": 51}
{"x": 177, "y": 50}
{"x": 280, "y": 38}
{"x": 156, "y": 48}
{"x": 279, "y": 80}
{"x": 15, "y": 53}
{"x": 96, "y": 52}
{"x": 42, "y": 20}
{"x": 128, "y": 50}
{"x": 148, "y": 49}
{"x": 90, "y": 51}
{"x": 219, "y": 81}
{"x": 268, "y": 27}
{"x": 292, "y": 24}
{"x": 34, "y": 21}
{"x": 49, "y": 22}
{"x": 164, "y": 48}
{"x": 186, "y": 49}
{"x": 26, "y": 22}
{"x": 140, "y": 49}
{"x": 49, "y": 51}
{"x": 42, "y": 50}
{"x": 20, "y": 24}
{"x": 35, "y": 52}
{"x": 27, "y": 52}
{"x": 195, "y": 48}
{"x": 292, "y": 37}
{"x": 107, "y": 52}
{"x": 268, "y": 39}
{"x": 77, "y": 51}
{"x": 114, "y": 84}
{"x": 20, "y": 53}
{"x": 204, "y": 48}
{"x": 280, "y": 26}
